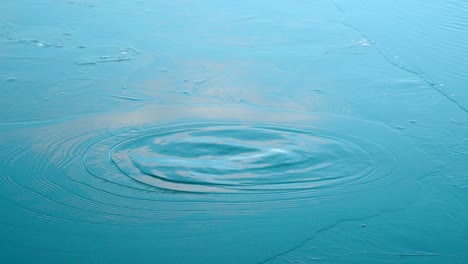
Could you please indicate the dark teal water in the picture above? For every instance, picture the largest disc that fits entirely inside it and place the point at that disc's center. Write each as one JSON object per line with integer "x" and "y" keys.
{"x": 234, "y": 132}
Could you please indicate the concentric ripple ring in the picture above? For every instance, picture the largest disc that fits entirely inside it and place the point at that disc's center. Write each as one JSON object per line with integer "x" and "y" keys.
{"x": 244, "y": 158}
{"x": 308, "y": 156}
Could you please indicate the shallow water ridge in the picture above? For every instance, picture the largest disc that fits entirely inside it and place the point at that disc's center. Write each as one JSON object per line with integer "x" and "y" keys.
{"x": 246, "y": 132}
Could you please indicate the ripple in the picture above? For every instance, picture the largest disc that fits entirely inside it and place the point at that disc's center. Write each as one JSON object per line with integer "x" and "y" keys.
{"x": 140, "y": 167}
{"x": 173, "y": 175}
{"x": 215, "y": 158}
{"x": 319, "y": 156}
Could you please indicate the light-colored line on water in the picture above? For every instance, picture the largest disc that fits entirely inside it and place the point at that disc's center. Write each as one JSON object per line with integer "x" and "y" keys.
{"x": 433, "y": 85}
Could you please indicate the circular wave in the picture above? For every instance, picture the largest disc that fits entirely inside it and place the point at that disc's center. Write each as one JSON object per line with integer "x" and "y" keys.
{"x": 214, "y": 158}
{"x": 138, "y": 166}
{"x": 245, "y": 161}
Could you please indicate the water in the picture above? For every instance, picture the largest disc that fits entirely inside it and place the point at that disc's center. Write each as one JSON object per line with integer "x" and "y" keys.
{"x": 244, "y": 132}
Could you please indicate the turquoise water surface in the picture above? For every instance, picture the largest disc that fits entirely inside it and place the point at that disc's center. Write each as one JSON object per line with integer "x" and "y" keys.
{"x": 305, "y": 131}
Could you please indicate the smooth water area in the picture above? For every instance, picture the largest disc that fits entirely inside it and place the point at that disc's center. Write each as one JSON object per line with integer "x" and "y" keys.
{"x": 182, "y": 131}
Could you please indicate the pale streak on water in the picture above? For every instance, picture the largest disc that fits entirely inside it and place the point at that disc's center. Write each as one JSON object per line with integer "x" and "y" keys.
{"x": 245, "y": 132}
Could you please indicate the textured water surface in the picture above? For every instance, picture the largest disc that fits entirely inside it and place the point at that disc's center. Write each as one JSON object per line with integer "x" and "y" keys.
{"x": 244, "y": 132}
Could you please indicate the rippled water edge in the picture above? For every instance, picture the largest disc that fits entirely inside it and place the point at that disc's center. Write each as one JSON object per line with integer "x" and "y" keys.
{"x": 86, "y": 171}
